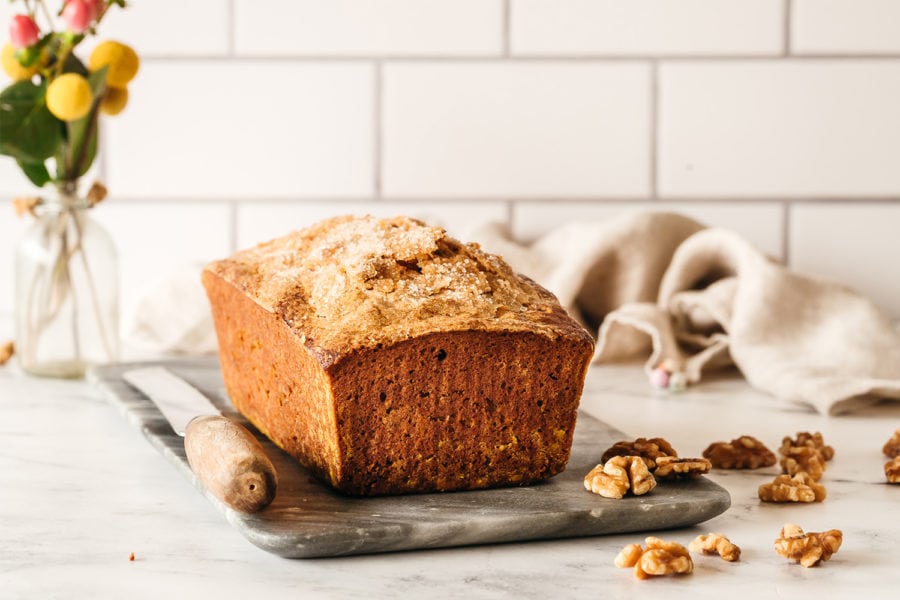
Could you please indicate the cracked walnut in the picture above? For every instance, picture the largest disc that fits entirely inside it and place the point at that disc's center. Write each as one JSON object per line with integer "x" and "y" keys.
{"x": 745, "y": 452}
{"x": 616, "y": 476}
{"x": 799, "y": 488}
{"x": 658, "y": 558}
{"x": 805, "y": 438}
{"x": 891, "y": 447}
{"x": 716, "y": 543}
{"x": 807, "y": 548}
{"x": 807, "y": 459}
{"x": 648, "y": 449}
{"x": 670, "y": 467}
{"x": 892, "y": 470}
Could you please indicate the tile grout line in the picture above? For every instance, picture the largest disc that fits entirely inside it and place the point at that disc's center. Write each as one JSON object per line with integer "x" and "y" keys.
{"x": 654, "y": 130}
{"x": 230, "y": 18}
{"x": 517, "y": 200}
{"x": 377, "y": 128}
{"x": 507, "y": 12}
{"x": 786, "y": 33}
{"x": 521, "y": 58}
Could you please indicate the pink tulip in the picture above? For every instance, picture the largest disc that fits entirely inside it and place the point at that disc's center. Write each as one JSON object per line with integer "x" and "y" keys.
{"x": 23, "y": 31}
{"x": 77, "y": 15}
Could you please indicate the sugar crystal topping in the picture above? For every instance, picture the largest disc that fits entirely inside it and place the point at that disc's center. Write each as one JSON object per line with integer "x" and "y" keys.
{"x": 362, "y": 280}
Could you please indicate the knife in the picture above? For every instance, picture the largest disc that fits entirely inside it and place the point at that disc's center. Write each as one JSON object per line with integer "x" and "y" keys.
{"x": 223, "y": 454}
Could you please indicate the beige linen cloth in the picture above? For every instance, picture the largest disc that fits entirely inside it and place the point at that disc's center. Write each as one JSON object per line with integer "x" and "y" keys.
{"x": 663, "y": 286}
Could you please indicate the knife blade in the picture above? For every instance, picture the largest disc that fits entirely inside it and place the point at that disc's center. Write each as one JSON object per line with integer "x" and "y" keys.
{"x": 223, "y": 454}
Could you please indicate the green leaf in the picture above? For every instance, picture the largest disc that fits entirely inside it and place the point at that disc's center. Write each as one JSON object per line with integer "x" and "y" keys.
{"x": 28, "y": 131}
{"x": 83, "y": 132}
{"x": 74, "y": 65}
{"x": 36, "y": 172}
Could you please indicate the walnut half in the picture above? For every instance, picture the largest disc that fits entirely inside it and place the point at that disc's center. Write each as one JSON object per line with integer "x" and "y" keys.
{"x": 648, "y": 449}
{"x": 803, "y": 458}
{"x": 805, "y": 438}
{"x": 807, "y": 548}
{"x": 892, "y": 446}
{"x": 892, "y": 470}
{"x": 6, "y": 352}
{"x": 799, "y": 488}
{"x": 658, "y": 558}
{"x": 745, "y": 452}
{"x": 716, "y": 543}
{"x": 670, "y": 467}
{"x": 616, "y": 476}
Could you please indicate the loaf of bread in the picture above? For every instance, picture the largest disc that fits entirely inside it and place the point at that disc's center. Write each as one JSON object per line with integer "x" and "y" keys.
{"x": 389, "y": 358}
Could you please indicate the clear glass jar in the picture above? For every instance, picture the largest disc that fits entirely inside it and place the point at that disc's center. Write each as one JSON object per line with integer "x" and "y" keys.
{"x": 67, "y": 295}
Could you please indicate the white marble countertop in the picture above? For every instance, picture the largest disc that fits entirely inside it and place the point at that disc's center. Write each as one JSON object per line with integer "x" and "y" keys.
{"x": 80, "y": 490}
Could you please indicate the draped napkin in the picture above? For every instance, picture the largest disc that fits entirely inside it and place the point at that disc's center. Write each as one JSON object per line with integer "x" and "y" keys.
{"x": 663, "y": 287}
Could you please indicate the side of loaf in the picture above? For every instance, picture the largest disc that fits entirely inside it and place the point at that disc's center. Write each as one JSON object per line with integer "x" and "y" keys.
{"x": 389, "y": 358}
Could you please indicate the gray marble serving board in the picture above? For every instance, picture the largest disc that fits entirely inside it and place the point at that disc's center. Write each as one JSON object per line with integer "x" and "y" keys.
{"x": 308, "y": 519}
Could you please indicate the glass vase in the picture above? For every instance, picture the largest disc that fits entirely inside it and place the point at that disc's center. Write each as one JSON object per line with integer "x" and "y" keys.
{"x": 67, "y": 296}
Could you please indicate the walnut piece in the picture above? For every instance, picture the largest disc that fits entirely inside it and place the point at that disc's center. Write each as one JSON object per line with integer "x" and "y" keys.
{"x": 658, "y": 558}
{"x": 892, "y": 470}
{"x": 648, "y": 449}
{"x": 716, "y": 543}
{"x": 805, "y": 438}
{"x": 6, "y": 352}
{"x": 629, "y": 556}
{"x": 745, "y": 452}
{"x": 619, "y": 474}
{"x": 892, "y": 446}
{"x": 669, "y": 467}
{"x": 799, "y": 488}
{"x": 803, "y": 458}
{"x": 807, "y": 548}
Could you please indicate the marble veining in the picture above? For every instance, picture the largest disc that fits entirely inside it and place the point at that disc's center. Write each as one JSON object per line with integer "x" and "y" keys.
{"x": 79, "y": 491}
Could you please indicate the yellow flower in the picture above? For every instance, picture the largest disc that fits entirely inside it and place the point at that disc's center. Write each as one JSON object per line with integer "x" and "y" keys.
{"x": 69, "y": 97}
{"x": 123, "y": 62}
{"x": 114, "y": 100}
{"x": 14, "y": 69}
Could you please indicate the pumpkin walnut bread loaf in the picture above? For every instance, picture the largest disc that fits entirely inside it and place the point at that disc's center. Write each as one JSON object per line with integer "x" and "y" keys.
{"x": 389, "y": 358}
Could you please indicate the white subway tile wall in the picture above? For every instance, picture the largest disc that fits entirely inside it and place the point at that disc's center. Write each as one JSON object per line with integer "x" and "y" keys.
{"x": 846, "y": 26}
{"x": 820, "y": 128}
{"x": 514, "y": 129}
{"x": 366, "y": 27}
{"x": 244, "y": 130}
{"x": 647, "y": 27}
{"x": 855, "y": 244}
{"x": 779, "y": 119}
{"x": 155, "y": 239}
{"x": 178, "y": 28}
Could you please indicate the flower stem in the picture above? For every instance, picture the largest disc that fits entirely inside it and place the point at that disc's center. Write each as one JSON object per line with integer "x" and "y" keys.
{"x": 92, "y": 288}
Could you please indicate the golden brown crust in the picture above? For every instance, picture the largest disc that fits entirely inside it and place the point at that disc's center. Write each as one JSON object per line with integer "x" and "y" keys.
{"x": 357, "y": 282}
{"x": 382, "y": 391}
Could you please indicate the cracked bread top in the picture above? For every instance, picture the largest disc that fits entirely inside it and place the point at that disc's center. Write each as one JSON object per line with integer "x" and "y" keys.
{"x": 353, "y": 282}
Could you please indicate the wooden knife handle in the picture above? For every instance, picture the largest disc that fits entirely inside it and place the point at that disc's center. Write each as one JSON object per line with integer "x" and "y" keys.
{"x": 230, "y": 462}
